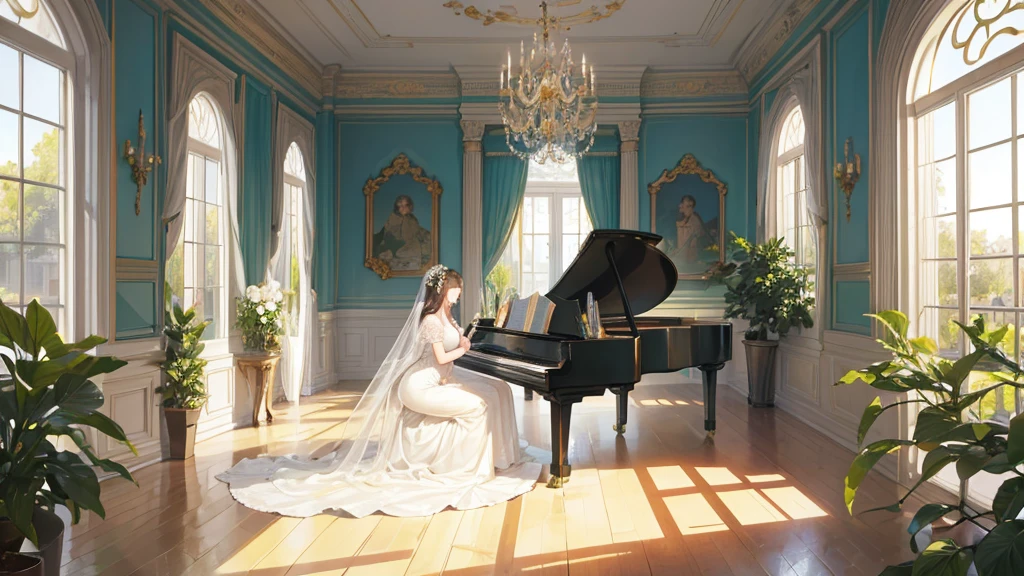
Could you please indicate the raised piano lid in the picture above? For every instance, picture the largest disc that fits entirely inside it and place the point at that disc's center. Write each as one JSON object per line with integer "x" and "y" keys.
{"x": 648, "y": 276}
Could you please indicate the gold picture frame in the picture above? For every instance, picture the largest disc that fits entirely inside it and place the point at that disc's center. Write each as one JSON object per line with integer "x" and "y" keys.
{"x": 396, "y": 244}
{"x": 683, "y": 256}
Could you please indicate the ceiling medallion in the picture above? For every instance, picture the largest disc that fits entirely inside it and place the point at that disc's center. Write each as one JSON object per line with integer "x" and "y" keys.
{"x": 592, "y": 14}
{"x": 548, "y": 109}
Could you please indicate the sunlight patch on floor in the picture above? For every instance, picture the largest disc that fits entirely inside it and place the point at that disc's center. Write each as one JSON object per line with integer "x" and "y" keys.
{"x": 669, "y": 477}
{"x": 749, "y": 507}
{"x": 761, "y": 478}
{"x": 693, "y": 514}
{"x": 794, "y": 503}
{"x": 717, "y": 476}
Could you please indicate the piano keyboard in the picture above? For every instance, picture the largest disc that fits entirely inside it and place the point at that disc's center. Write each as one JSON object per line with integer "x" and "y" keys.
{"x": 506, "y": 361}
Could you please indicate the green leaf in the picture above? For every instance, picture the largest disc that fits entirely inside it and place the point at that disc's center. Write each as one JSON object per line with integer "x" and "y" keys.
{"x": 933, "y": 422}
{"x": 1009, "y": 499}
{"x": 925, "y": 516}
{"x": 962, "y": 368}
{"x": 971, "y": 462}
{"x": 13, "y": 326}
{"x": 864, "y": 462}
{"x": 871, "y": 413}
{"x": 1002, "y": 551}
{"x": 944, "y": 558}
{"x": 905, "y": 569}
{"x": 924, "y": 345}
{"x": 19, "y": 505}
{"x": 1015, "y": 440}
{"x": 76, "y": 479}
{"x": 894, "y": 320}
{"x": 41, "y": 327}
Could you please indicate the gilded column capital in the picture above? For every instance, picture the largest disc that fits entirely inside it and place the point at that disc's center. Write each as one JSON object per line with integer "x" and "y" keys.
{"x": 472, "y": 130}
{"x": 629, "y": 131}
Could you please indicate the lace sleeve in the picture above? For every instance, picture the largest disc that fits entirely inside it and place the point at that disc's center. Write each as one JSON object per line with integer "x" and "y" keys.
{"x": 431, "y": 330}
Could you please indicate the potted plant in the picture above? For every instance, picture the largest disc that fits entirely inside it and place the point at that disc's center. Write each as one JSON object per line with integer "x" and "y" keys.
{"x": 498, "y": 289}
{"x": 184, "y": 393}
{"x": 260, "y": 318}
{"x": 950, "y": 430}
{"x": 764, "y": 286}
{"x": 47, "y": 394}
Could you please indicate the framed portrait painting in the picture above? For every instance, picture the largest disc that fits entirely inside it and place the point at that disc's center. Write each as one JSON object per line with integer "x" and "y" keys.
{"x": 688, "y": 212}
{"x": 403, "y": 214}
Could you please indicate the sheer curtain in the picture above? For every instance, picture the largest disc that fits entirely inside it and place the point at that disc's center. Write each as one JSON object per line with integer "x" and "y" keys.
{"x": 504, "y": 186}
{"x": 805, "y": 86}
{"x": 194, "y": 71}
{"x": 296, "y": 365}
{"x": 599, "y": 185}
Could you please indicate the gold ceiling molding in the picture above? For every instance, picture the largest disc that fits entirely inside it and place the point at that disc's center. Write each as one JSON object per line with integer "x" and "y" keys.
{"x": 773, "y": 37}
{"x": 397, "y": 85}
{"x": 249, "y": 24}
{"x": 691, "y": 84}
{"x": 488, "y": 17}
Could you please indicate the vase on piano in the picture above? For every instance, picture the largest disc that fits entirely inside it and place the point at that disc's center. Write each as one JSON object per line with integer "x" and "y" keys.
{"x": 761, "y": 372}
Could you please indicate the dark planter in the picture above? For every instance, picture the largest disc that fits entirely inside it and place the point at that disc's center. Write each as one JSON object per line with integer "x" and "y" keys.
{"x": 181, "y": 431}
{"x": 761, "y": 372}
{"x": 50, "y": 529}
{"x": 20, "y": 565}
{"x": 10, "y": 538}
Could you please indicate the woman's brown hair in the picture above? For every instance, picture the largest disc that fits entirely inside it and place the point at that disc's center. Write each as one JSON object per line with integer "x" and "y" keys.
{"x": 435, "y": 298}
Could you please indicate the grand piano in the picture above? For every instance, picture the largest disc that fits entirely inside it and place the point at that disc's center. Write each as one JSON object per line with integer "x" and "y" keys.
{"x": 627, "y": 275}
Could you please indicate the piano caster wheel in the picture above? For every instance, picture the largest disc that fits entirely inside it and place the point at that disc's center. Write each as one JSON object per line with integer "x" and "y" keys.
{"x": 557, "y": 481}
{"x": 620, "y": 428}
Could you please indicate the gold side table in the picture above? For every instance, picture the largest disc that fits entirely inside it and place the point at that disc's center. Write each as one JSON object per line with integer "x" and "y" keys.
{"x": 263, "y": 367}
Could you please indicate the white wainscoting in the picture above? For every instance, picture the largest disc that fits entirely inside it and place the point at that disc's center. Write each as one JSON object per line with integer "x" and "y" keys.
{"x": 362, "y": 339}
{"x": 130, "y": 398}
{"x": 323, "y": 353}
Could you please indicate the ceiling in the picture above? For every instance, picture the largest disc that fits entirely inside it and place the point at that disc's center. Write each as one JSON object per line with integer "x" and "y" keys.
{"x": 439, "y": 34}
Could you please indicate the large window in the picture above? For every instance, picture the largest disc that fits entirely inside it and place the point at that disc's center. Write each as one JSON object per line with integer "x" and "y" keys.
{"x": 294, "y": 183}
{"x": 551, "y": 227}
{"x": 792, "y": 220}
{"x": 197, "y": 268}
{"x": 34, "y": 173}
{"x": 966, "y": 172}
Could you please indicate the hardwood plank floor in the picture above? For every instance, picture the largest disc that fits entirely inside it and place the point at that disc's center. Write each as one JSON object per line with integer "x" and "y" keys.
{"x": 764, "y": 498}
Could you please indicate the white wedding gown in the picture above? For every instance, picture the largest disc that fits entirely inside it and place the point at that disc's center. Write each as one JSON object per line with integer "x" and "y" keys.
{"x": 453, "y": 442}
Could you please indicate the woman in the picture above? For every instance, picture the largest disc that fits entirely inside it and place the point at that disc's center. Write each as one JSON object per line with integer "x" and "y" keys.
{"x": 402, "y": 241}
{"x": 690, "y": 231}
{"x": 424, "y": 436}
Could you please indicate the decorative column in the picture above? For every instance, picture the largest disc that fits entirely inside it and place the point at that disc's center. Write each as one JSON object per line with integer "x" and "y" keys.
{"x": 629, "y": 196}
{"x": 472, "y": 218}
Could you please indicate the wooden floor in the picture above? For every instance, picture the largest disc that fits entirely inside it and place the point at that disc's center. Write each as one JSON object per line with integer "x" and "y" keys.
{"x": 765, "y": 497}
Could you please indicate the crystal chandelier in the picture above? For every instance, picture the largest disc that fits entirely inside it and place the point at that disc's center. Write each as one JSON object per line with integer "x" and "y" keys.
{"x": 549, "y": 109}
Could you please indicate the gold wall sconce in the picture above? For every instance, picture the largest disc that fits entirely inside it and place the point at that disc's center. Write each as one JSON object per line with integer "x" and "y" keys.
{"x": 847, "y": 173}
{"x": 141, "y": 164}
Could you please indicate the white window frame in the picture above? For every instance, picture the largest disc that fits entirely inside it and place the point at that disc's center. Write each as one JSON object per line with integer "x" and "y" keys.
{"x": 1007, "y": 65}
{"x": 294, "y": 186}
{"x": 73, "y": 318}
{"x": 556, "y": 193}
{"x": 219, "y": 344}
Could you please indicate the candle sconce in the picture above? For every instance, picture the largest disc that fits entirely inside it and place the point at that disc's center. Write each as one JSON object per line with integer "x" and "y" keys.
{"x": 141, "y": 164}
{"x": 847, "y": 173}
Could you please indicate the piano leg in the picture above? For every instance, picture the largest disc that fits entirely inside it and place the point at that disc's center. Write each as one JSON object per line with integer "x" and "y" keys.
{"x": 621, "y": 403}
{"x": 527, "y": 394}
{"x": 710, "y": 377}
{"x": 560, "y": 468}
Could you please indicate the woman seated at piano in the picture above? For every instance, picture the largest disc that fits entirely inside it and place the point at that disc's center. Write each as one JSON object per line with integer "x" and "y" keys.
{"x": 425, "y": 435}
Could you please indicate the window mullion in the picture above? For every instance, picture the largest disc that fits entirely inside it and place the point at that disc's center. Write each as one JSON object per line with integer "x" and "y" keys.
{"x": 963, "y": 243}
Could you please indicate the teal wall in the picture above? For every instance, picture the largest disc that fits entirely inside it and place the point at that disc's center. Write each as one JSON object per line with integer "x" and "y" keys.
{"x": 848, "y": 51}
{"x": 366, "y": 146}
{"x": 141, "y": 32}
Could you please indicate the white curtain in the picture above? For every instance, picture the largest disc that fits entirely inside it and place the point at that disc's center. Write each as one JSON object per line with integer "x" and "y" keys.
{"x": 296, "y": 367}
{"x": 194, "y": 71}
{"x": 805, "y": 86}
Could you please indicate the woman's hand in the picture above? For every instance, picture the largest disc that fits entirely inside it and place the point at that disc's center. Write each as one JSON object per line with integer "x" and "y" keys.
{"x": 444, "y": 357}
{"x": 464, "y": 343}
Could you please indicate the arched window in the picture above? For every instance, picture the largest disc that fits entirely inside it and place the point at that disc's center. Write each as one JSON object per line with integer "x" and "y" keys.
{"x": 965, "y": 169}
{"x": 35, "y": 200}
{"x": 197, "y": 268}
{"x": 294, "y": 183}
{"x": 792, "y": 220}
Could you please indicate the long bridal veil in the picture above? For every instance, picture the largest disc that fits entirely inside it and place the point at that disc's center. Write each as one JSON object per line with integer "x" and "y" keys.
{"x": 361, "y": 454}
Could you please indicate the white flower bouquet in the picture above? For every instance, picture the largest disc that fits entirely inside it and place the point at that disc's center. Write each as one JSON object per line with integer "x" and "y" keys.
{"x": 260, "y": 317}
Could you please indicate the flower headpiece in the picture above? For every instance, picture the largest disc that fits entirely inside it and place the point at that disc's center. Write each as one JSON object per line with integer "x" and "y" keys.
{"x": 436, "y": 277}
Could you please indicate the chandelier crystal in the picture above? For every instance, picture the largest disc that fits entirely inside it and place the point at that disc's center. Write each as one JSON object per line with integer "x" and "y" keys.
{"x": 549, "y": 108}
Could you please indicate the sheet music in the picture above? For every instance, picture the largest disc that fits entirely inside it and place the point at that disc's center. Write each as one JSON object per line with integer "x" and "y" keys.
{"x": 517, "y": 315}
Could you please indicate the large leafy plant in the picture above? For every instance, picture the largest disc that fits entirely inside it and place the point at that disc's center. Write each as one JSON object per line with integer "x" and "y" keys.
{"x": 765, "y": 287}
{"x": 948, "y": 432}
{"x": 182, "y": 365}
{"x": 47, "y": 393}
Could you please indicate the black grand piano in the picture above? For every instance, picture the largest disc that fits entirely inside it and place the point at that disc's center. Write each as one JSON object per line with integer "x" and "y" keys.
{"x": 627, "y": 275}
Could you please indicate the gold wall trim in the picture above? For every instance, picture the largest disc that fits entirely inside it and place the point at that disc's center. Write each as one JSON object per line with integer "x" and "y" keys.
{"x": 776, "y": 34}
